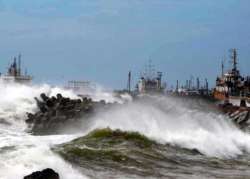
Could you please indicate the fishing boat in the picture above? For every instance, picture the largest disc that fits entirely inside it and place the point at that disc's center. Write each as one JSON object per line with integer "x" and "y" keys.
{"x": 231, "y": 85}
{"x": 14, "y": 73}
{"x": 150, "y": 82}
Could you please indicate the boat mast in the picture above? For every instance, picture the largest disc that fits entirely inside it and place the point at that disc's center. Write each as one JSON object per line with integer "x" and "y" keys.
{"x": 129, "y": 82}
{"x": 234, "y": 59}
{"x": 19, "y": 64}
{"x": 222, "y": 68}
{"x": 198, "y": 83}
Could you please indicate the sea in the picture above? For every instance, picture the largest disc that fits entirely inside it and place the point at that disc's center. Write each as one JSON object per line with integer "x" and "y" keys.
{"x": 150, "y": 137}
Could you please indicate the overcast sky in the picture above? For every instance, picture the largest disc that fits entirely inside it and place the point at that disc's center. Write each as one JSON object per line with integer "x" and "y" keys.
{"x": 101, "y": 40}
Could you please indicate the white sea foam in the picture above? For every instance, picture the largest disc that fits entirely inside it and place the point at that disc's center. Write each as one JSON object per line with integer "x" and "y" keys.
{"x": 17, "y": 100}
{"x": 21, "y": 153}
{"x": 169, "y": 121}
{"x": 97, "y": 92}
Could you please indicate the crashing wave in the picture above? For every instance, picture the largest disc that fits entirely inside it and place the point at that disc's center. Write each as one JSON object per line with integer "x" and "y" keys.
{"x": 120, "y": 151}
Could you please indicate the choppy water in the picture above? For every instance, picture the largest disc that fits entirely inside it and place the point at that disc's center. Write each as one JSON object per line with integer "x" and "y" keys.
{"x": 173, "y": 139}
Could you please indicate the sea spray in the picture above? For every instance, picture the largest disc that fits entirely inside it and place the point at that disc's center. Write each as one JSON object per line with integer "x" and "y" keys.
{"x": 170, "y": 121}
{"x": 97, "y": 93}
{"x": 121, "y": 153}
{"x": 107, "y": 153}
{"x": 21, "y": 153}
{"x": 17, "y": 100}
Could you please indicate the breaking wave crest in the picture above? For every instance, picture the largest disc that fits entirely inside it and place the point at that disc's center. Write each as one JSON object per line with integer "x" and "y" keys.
{"x": 124, "y": 152}
{"x": 168, "y": 120}
{"x": 21, "y": 153}
{"x": 17, "y": 100}
{"x": 133, "y": 155}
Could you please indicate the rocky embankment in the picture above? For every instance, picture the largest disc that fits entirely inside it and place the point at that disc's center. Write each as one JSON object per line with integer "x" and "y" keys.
{"x": 54, "y": 113}
{"x": 240, "y": 115}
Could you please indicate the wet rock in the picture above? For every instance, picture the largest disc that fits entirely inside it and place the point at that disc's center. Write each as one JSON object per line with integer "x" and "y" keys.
{"x": 56, "y": 112}
{"x": 45, "y": 174}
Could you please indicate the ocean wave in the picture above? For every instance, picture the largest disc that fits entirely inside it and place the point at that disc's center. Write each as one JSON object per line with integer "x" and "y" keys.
{"x": 167, "y": 120}
{"x": 17, "y": 100}
{"x": 133, "y": 155}
{"x": 21, "y": 153}
{"x": 121, "y": 152}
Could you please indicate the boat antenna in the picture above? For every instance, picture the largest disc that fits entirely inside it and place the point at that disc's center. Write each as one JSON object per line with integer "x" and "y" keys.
{"x": 19, "y": 63}
{"x": 234, "y": 58}
{"x": 191, "y": 81}
{"x": 129, "y": 82}
{"x": 198, "y": 83}
{"x": 177, "y": 86}
{"x": 222, "y": 67}
{"x": 206, "y": 85}
{"x": 187, "y": 84}
{"x": 15, "y": 72}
